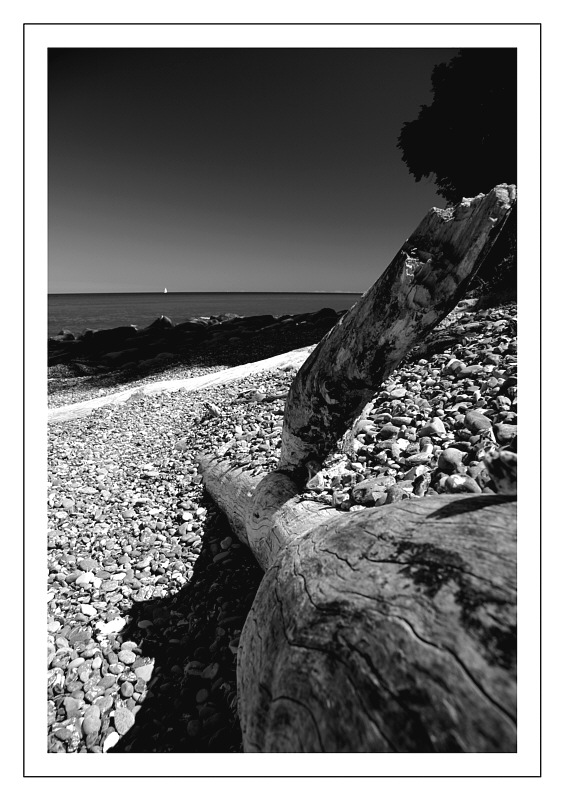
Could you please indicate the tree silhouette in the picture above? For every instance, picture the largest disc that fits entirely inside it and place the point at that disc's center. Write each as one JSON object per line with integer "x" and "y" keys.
{"x": 465, "y": 141}
{"x": 466, "y": 138}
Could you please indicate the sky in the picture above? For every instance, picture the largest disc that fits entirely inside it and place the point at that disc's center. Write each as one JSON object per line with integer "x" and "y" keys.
{"x": 231, "y": 169}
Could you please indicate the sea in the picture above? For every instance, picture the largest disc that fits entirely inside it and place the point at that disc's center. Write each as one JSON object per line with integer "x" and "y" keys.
{"x": 76, "y": 312}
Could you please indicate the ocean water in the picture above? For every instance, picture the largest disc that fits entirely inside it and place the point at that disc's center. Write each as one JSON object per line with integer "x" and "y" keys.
{"x": 75, "y": 312}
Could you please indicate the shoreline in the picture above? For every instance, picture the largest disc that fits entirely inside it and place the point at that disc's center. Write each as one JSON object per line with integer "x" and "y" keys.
{"x": 148, "y": 587}
{"x": 99, "y": 362}
{"x": 193, "y": 383}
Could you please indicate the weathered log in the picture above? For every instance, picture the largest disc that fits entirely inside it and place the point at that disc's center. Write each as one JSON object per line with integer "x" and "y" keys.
{"x": 264, "y": 510}
{"x": 425, "y": 280}
{"x": 387, "y": 630}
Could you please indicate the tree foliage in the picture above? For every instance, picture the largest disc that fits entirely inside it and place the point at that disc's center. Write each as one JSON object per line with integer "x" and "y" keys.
{"x": 466, "y": 142}
{"x": 466, "y": 139}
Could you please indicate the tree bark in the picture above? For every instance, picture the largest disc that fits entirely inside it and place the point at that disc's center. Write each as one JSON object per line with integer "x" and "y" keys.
{"x": 391, "y": 629}
{"x": 387, "y": 630}
{"x": 264, "y": 510}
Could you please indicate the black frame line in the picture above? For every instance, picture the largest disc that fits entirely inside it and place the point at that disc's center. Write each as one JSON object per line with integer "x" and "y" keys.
{"x": 255, "y": 24}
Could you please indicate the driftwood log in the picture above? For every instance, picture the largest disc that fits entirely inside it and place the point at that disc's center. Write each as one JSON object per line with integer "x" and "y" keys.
{"x": 423, "y": 283}
{"x": 390, "y": 629}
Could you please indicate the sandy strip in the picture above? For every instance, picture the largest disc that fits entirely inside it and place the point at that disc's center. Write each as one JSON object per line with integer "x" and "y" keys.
{"x": 294, "y": 358}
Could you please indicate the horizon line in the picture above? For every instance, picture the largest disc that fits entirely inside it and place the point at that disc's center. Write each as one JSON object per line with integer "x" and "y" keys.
{"x": 237, "y": 291}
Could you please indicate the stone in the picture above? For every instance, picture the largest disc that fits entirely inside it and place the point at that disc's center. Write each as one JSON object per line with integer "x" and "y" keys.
{"x": 104, "y": 703}
{"x": 396, "y": 493}
{"x": 211, "y": 671}
{"x": 463, "y": 484}
{"x": 504, "y": 433}
{"x": 450, "y": 460}
{"x": 87, "y": 564}
{"x": 421, "y": 484}
{"x": 112, "y": 739}
{"x": 127, "y": 657}
{"x": 144, "y": 672}
{"x": 470, "y": 371}
{"x": 78, "y": 634}
{"x": 72, "y": 706}
{"x": 129, "y": 645}
{"x": 85, "y": 579}
{"x": 455, "y": 366}
{"x": 433, "y": 428}
{"x": 107, "y": 681}
{"x": 388, "y": 431}
{"x": 477, "y": 422}
{"x": 366, "y": 492}
{"x": 193, "y": 727}
{"x": 202, "y": 695}
{"x": 419, "y": 458}
{"x": 64, "y": 734}
{"x": 503, "y": 470}
{"x": 379, "y": 498}
{"x": 126, "y": 689}
{"x": 492, "y": 358}
{"x": 123, "y": 720}
{"x": 91, "y": 723}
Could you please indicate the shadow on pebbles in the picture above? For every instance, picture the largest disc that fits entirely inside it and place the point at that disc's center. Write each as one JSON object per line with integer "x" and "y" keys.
{"x": 191, "y": 639}
{"x": 167, "y": 681}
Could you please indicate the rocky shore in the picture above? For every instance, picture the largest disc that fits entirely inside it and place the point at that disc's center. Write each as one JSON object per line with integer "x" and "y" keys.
{"x": 148, "y": 589}
{"x": 94, "y": 363}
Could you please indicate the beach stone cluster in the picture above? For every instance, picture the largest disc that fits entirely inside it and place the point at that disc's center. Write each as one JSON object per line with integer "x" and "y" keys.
{"x": 148, "y": 588}
{"x": 438, "y": 423}
{"x": 97, "y": 361}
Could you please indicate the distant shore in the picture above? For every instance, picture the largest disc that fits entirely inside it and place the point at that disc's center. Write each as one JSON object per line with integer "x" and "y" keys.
{"x": 77, "y": 311}
{"x": 100, "y": 361}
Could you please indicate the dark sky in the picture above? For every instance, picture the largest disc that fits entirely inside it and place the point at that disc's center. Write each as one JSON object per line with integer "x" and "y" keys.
{"x": 231, "y": 169}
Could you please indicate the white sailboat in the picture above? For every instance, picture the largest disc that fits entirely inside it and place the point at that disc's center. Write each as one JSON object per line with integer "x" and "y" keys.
{"x": 165, "y": 292}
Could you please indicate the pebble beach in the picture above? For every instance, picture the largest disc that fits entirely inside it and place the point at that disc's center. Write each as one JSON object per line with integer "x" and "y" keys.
{"x": 148, "y": 589}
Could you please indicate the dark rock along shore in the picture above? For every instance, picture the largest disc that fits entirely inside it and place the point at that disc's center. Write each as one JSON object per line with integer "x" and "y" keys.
{"x": 96, "y": 362}
{"x": 148, "y": 589}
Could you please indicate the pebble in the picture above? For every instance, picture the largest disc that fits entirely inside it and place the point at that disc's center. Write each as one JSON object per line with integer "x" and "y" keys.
{"x": 87, "y": 564}
{"x": 126, "y": 689}
{"x": 112, "y": 739}
{"x": 85, "y": 579}
{"x": 127, "y": 657}
{"x": 92, "y": 720}
{"x": 144, "y": 672}
{"x": 477, "y": 422}
{"x": 434, "y": 428}
{"x": 505, "y": 433}
{"x": 123, "y": 720}
{"x": 462, "y": 483}
{"x": 450, "y": 460}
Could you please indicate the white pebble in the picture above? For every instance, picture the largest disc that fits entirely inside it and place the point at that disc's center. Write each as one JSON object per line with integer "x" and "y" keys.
{"x": 110, "y": 740}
